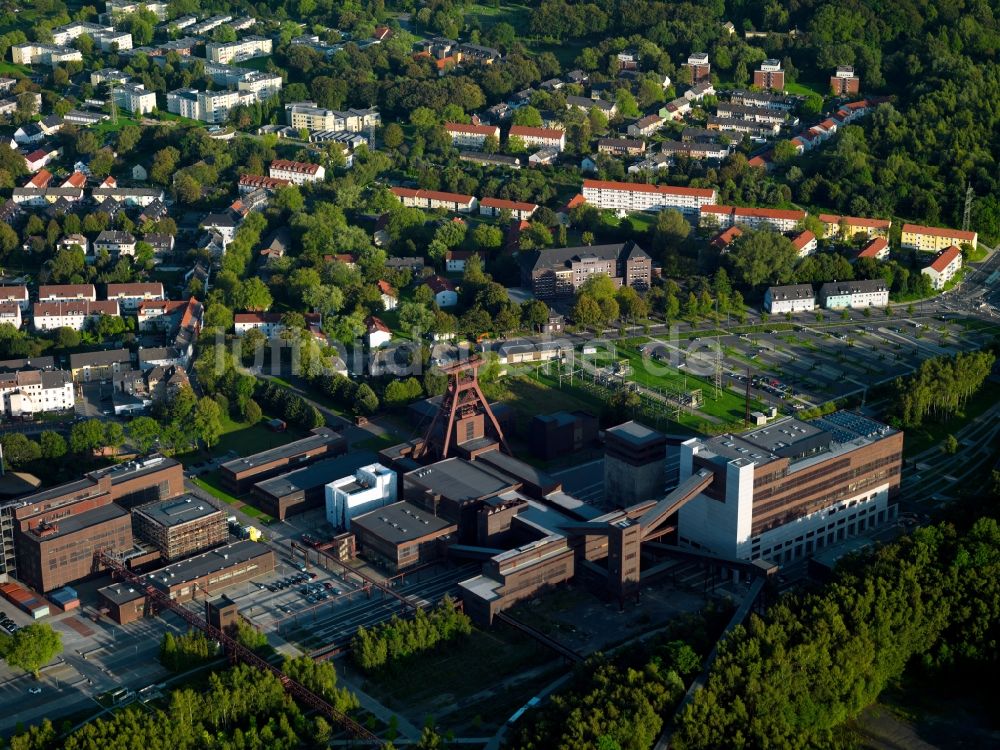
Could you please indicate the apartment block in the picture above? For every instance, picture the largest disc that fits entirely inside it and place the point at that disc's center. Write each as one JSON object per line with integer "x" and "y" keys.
{"x": 844, "y": 82}
{"x": 943, "y": 268}
{"x": 430, "y": 199}
{"x": 775, "y": 219}
{"x": 634, "y": 196}
{"x": 935, "y": 239}
{"x": 539, "y": 137}
{"x": 296, "y": 172}
{"x": 470, "y": 136}
{"x": 245, "y": 49}
{"x": 769, "y": 76}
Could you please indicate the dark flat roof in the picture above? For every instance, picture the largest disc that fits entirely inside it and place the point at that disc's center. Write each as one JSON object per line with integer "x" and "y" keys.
{"x": 206, "y": 563}
{"x": 323, "y": 436}
{"x": 120, "y": 593}
{"x": 314, "y": 475}
{"x": 178, "y": 510}
{"x": 519, "y": 469}
{"x": 136, "y": 468}
{"x": 81, "y": 521}
{"x": 400, "y": 522}
{"x": 458, "y": 479}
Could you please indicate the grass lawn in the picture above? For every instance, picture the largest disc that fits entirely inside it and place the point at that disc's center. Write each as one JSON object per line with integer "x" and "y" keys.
{"x": 212, "y": 484}
{"x": 932, "y": 433}
{"x": 528, "y": 397}
{"x": 107, "y": 126}
{"x": 9, "y": 67}
{"x": 805, "y": 88}
{"x": 377, "y": 443}
{"x": 254, "y": 63}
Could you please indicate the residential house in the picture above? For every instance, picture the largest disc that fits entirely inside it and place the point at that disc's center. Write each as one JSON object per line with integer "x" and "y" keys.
{"x": 584, "y": 103}
{"x": 943, "y": 268}
{"x": 839, "y": 295}
{"x": 621, "y": 146}
{"x": 104, "y": 365}
{"x": 455, "y": 260}
{"x": 296, "y": 172}
{"x": 725, "y": 238}
{"x": 268, "y": 323}
{"x": 804, "y": 243}
{"x": 10, "y": 312}
{"x": 935, "y": 239}
{"x": 445, "y": 293}
{"x": 700, "y": 67}
{"x": 388, "y": 295}
{"x": 496, "y": 206}
{"x": 66, "y": 292}
{"x": 775, "y": 219}
{"x": 140, "y": 197}
{"x": 75, "y": 314}
{"x": 115, "y": 243}
{"x": 844, "y": 82}
{"x": 792, "y": 298}
{"x": 646, "y": 126}
{"x": 131, "y": 296}
{"x": 134, "y": 98}
{"x": 548, "y": 138}
{"x": 471, "y": 136}
{"x": 848, "y": 227}
{"x": 769, "y": 76}
{"x": 247, "y": 183}
{"x": 16, "y": 294}
{"x": 32, "y": 391}
{"x": 877, "y": 249}
{"x": 377, "y": 333}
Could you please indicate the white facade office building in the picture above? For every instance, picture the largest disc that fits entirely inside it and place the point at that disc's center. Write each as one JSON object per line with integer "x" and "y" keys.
{"x": 371, "y": 487}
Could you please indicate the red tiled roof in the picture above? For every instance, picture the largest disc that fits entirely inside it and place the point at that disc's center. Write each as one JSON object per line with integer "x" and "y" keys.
{"x": 437, "y": 195}
{"x": 763, "y": 213}
{"x": 945, "y": 257}
{"x": 576, "y": 200}
{"x": 41, "y": 179}
{"x": 262, "y": 181}
{"x": 803, "y": 239}
{"x": 509, "y": 205}
{"x": 856, "y": 221}
{"x": 385, "y": 288}
{"x": 153, "y": 287}
{"x": 439, "y": 284}
{"x": 14, "y": 292}
{"x": 518, "y": 131}
{"x": 77, "y": 180}
{"x": 873, "y": 248}
{"x": 640, "y": 187}
{"x": 939, "y": 232}
{"x": 461, "y": 127}
{"x": 66, "y": 290}
{"x": 257, "y": 317}
{"x": 458, "y": 255}
{"x": 722, "y": 239}
{"x": 757, "y": 161}
{"x": 300, "y": 167}
{"x": 75, "y": 307}
{"x": 375, "y": 324}
{"x": 38, "y": 153}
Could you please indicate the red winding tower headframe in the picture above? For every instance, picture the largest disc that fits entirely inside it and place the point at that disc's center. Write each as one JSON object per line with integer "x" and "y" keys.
{"x": 464, "y": 414}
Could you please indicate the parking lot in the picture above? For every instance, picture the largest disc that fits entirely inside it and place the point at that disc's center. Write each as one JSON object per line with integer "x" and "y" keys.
{"x": 812, "y": 363}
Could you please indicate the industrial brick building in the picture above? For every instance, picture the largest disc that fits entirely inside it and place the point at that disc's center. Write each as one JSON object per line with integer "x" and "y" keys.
{"x": 180, "y": 526}
{"x": 402, "y": 535}
{"x": 633, "y": 464}
{"x": 561, "y": 433}
{"x": 240, "y": 474}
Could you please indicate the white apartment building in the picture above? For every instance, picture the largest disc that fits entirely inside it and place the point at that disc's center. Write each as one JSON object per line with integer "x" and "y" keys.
{"x": 296, "y": 172}
{"x": 28, "y": 392}
{"x": 369, "y": 488}
{"x": 49, "y": 316}
{"x": 309, "y": 116}
{"x": 207, "y": 106}
{"x": 430, "y": 199}
{"x": 804, "y": 243}
{"x": 74, "y": 240}
{"x": 128, "y": 196}
{"x": 539, "y": 137}
{"x": 246, "y": 48}
{"x": 43, "y": 54}
{"x": 625, "y": 197}
{"x": 133, "y": 97}
{"x": 18, "y": 294}
{"x": 10, "y": 312}
{"x": 519, "y": 210}
{"x": 470, "y": 136}
{"x": 792, "y": 298}
{"x": 66, "y": 292}
{"x": 776, "y": 219}
{"x": 260, "y": 84}
{"x": 130, "y": 296}
{"x": 944, "y": 267}
{"x": 122, "y": 7}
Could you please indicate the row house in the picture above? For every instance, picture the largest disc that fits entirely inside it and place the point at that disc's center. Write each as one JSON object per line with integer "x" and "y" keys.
{"x": 66, "y": 292}
{"x": 10, "y": 312}
{"x": 943, "y": 268}
{"x": 935, "y": 239}
{"x": 296, "y": 172}
{"x": 47, "y": 196}
{"x": 518, "y": 209}
{"x": 629, "y": 197}
{"x": 775, "y": 219}
{"x": 16, "y": 294}
{"x": 549, "y": 138}
{"x": 131, "y": 296}
{"x": 621, "y": 146}
{"x": 753, "y": 114}
{"x": 840, "y": 295}
{"x": 140, "y": 197}
{"x": 48, "y": 316}
{"x": 646, "y": 126}
{"x": 248, "y": 183}
{"x": 743, "y": 127}
{"x": 848, "y": 227}
{"x": 715, "y": 151}
{"x": 29, "y": 392}
{"x": 470, "y": 136}
{"x": 431, "y": 199}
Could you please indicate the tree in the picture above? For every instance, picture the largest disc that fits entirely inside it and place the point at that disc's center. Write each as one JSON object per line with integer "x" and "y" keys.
{"x": 487, "y": 237}
{"x": 534, "y": 314}
{"x": 208, "y": 421}
{"x": 528, "y": 116}
{"x": 143, "y": 432}
{"x": 53, "y": 445}
{"x": 31, "y": 647}
{"x": 392, "y": 136}
{"x": 950, "y": 445}
{"x": 366, "y": 402}
{"x": 19, "y": 449}
{"x": 598, "y": 286}
{"x": 759, "y": 258}
{"x": 253, "y": 295}
{"x": 252, "y": 413}
{"x": 586, "y": 311}
{"x": 86, "y": 436}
